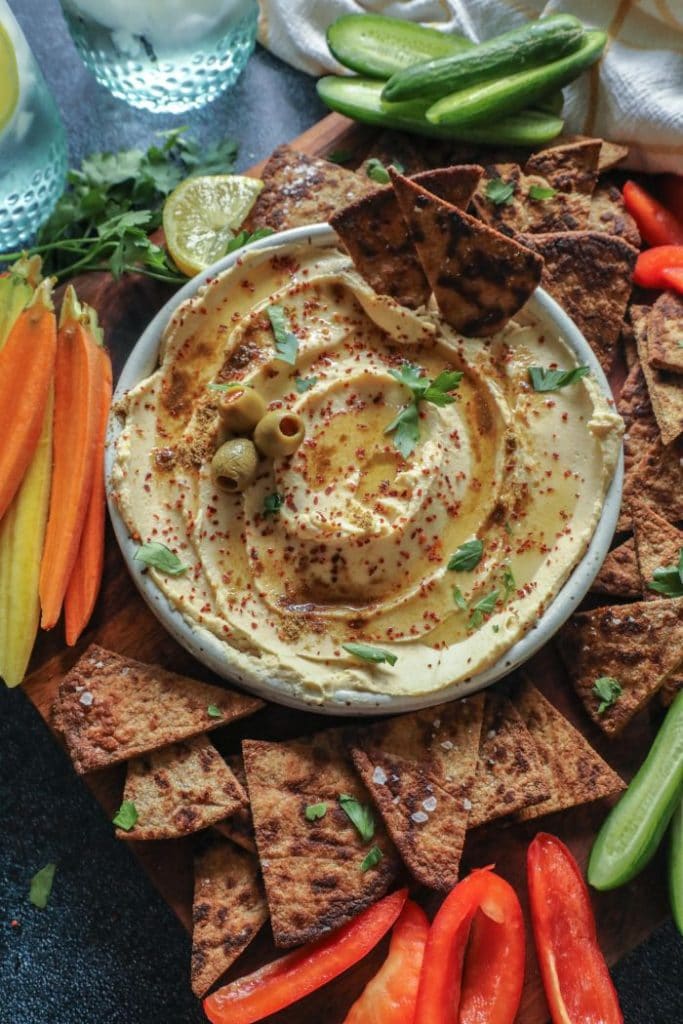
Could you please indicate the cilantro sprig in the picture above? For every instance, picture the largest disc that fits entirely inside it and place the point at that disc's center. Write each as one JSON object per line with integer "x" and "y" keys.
{"x": 360, "y": 816}
{"x": 499, "y": 192}
{"x": 369, "y": 653}
{"x": 286, "y": 343}
{"x": 552, "y": 380}
{"x": 159, "y": 557}
{"x": 406, "y": 425}
{"x": 668, "y": 580}
{"x": 607, "y": 689}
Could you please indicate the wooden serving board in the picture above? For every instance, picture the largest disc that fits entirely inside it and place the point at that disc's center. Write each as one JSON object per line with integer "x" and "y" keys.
{"x": 123, "y": 623}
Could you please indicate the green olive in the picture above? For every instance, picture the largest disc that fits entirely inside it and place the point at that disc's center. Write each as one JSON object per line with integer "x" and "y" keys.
{"x": 279, "y": 433}
{"x": 234, "y": 465}
{"x": 241, "y": 409}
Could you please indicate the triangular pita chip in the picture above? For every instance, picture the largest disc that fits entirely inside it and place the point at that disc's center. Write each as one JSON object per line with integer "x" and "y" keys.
{"x": 628, "y": 344}
{"x": 657, "y": 543}
{"x": 619, "y": 575}
{"x": 589, "y": 274}
{"x": 111, "y": 708}
{"x": 228, "y": 910}
{"x": 665, "y": 389}
{"x": 611, "y": 153}
{"x": 239, "y": 826}
{"x": 180, "y": 789}
{"x": 571, "y": 167}
{"x": 636, "y": 644}
{"x": 312, "y": 869}
{"x": 479, "y": 277}
{"x": 509, "y": 774}
{"x": 665, "y": 333}
{"x": 671, "y": 686}
{"x": 396, "y": 148}
{"x": 419, "y": 769}
{"x": 520, "y": 213}
{"x": 573, "y": 772}
{"x": 608, "y": 214}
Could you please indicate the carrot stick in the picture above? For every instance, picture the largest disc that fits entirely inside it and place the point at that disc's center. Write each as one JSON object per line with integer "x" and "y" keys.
{"x": 77, "y": 415}
{"x": 27, "y": 364}
{"x": 85, "y": 580}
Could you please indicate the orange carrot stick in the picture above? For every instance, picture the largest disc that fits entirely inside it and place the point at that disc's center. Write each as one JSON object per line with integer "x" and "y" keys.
{"x": 85, "y": 580}
{"x": 27, "y": 364}
{"x": 76, "y": 423}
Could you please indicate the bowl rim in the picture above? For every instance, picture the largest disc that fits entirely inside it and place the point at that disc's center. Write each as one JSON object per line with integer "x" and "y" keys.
{"x": 216, "y": 654}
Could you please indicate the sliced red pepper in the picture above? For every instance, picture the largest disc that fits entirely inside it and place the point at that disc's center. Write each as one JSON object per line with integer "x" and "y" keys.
{"x": 390, "y": 997}
{"x": 482, "y": 983}
{"x": 670, "y": 189}
{"x": 652, "y": 262}
{"x": 673, "y": 277}
{"x": 575, "y": 977}
{"x": 298, "y": 974}
{"x": 657, "y": 225}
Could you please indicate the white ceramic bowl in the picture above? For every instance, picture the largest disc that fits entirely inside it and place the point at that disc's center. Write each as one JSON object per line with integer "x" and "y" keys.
{"x": 209, "y": 650}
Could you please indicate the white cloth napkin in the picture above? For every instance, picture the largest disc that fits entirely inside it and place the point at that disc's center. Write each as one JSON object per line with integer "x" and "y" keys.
{"x": 635, "y": 97}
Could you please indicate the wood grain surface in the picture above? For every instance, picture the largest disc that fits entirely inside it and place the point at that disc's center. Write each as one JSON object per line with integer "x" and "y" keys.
{"x": 123, "y": 623}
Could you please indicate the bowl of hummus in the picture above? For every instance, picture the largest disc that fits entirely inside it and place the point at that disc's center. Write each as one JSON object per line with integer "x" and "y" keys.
{"x": 400, "y": 515}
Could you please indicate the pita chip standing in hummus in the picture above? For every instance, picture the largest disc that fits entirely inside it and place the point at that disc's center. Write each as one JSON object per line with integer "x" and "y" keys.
{"x": 439, "y": 491}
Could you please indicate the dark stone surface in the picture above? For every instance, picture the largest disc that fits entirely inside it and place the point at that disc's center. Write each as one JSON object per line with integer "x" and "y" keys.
{"x": 107, "y": 948}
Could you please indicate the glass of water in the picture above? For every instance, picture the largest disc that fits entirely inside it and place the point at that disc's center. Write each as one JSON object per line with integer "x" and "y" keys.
{"x": 164, "y": 55}
{"x": 33, "y": 152}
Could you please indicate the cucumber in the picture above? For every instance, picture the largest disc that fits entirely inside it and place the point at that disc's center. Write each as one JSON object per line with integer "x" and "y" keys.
{"x": 633, "y": 829}
{"x": 378, "y": 46}
{"x": 360, "y": 98}
{"x": 552, "y": 103}
{"x": 490, "y": 100}
{"x": 535, "y": 43}
{"x": 676, "y": 867}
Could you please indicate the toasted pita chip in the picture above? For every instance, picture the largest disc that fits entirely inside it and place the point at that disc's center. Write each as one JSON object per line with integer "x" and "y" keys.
{"x": 657, "y": 542}
{"x": 628, "y": 345}
{"x": 239, "y": 827}
{"x": 455, "y": 185}
{"x": 636, "y": 644}
{"x": 571, "y": 167}
{"x": 479, "y": 277}
{"x": 509, "y": 773}
{"x": 665, "y": 389}
{"x": 180, "y": 789}
{"x": 665, "y": 333}
{"x": 397, "y": 149}
{"x": 521, "y": 212}
{"x": 300, "y": 189}
{"x": 419, "y": 769}
{"x": 656, "y": 475}
{"x": 228, "y": 911}
{"x": 619, "y": 575}
{"x": 671, "y": 687}
{"x": 608, "y": 214}
{"x": 112, "y": 708}
{"x": 312, "y": 869}
{"x": 376, "y": 236}
{"x": 589, "y": 274}
{"x": 573, "y": 772}
{"x": 611, "y": 153}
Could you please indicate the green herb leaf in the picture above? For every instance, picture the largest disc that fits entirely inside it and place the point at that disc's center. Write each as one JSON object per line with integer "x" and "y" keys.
{"x": 360, "y": 816}
{"x": 499, "y": 192}
{"x": 228, "y": 385}
{"x": 315, "y": 811}
{"x": 406, "y": 425}
{"x": 158, "y": 556}
{"x": 406, "y": 429}
{"x": 272, "y": 503}
{"x": 508, "y": 582}
{"x": 608, "y": 690}
{"x": 459, "y": 599}
{"x": 668, "y": 580}
{"x": 369, "y": 653}
{"x": 304, "y": 384}
{"x": 508, "y": 527}
{"x": 41, "y": 886}
{"x": 541, "y": 192}
{"x": 553, "y": 380}
{"x": 371, "y": 859}
{"x": 244, "y": 238}
{"x": 484, "y": 606}
{"x": 376, "y": 170}
{"x": 340, "y": 156}
{"x": 126, "y": 816}
{"x": 213, "y": 711}
{"x": 286, "y": 343}
{"x": 467, "y": 557}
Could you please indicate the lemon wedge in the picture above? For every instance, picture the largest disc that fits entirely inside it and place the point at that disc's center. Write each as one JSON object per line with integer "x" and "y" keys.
{"x": 9, "y": 79}
{"x": 202, "y": 215}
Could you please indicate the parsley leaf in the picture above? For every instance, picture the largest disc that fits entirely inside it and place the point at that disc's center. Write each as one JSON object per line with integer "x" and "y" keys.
{"x": 286, "y": 343}
{"x": 376, "y": 170}
{"x": 41, "y": 886}
{"x": 541, "y": 192}
{"x": 360, "y": 816}
{"x": 315, "y": 811}
{"x": 243, "y": 238}
{"x": 668, "y": 580}
{"x": 459, "y": 599}
{"x": 467, "y": 557}
{"x": 340, "y": 156}
{"x": 499, "y": 192}
{"x": 508, "y": 582}
{"x": 552, "y": 380}
{"x": 213, "y": 711}
{"x": 371, "y": 858}
{"x": 608, "y": 690}
{"x": 406, "y": 425}
{"x": 304, "y": 384}
{"x": 406, "y": 429}
{"x": 228, "y": 385}
{"x": 158, "y": 556}
{"x": 126, "y": 816}
{"x": 484, "y": 606}
{"x": 272, "y": 503}
{"x": 369, "y": 653}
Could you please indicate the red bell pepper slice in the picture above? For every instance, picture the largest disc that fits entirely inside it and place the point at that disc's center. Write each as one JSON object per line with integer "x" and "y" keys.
{"x": 670, "y": 189}
{"x": 673, "y": 277}
{"x": 657, "y": 225}
{"x": 652, "y": 262}
{"x": 296, "y": 975}
{"x": 389, "y": 997}
{"x": 482, "y": 983}
{"x": 575, "y": 977}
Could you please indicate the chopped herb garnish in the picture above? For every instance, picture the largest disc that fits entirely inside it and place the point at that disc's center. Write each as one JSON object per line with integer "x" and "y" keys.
{"x": 369, "y": 653}
{"x": 315, "y": 811}
{"x": 286, "y": 343}
{"x": 508, "y": 527}
{"x": 406, "y": 425}
{"x": 243, "y": 238}
{"x": 228, "y": 385}
{"x": 484, "y": 606}
{"x": 272, "y": 503}
{"x": 126, "y": 816}
{"x": 508, "y": 582}
{"x": 552, "y": 380}
{"x": 340, "y": 156}
{"x": 158, "y": 556}
{"x": 668, "y": 580}
{"x": 495, "y": 627}
{"x": 376, "y": 170}
{"x": 459, "y": 599}
{"x": 41, "y": 886}
{"x": 371, "y": 859}
{"x": 406, "y": 429}
{"x": 213, "y": 711}
{"x": 304, "y": 384}
{"x": 360, "y": 816}
{"x": 500, "y": 192}
{"x": 541, "y": 192}
{"x": 467, "y": 557}
{"x": 608, "y": 690}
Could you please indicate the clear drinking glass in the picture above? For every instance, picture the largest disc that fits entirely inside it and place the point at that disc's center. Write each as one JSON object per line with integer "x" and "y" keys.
{"x": 164, "y": 55}
{"x": 33, "y": 152}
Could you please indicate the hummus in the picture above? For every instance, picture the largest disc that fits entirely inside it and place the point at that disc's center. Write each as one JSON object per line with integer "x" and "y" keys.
{"x": 359, "y": 550}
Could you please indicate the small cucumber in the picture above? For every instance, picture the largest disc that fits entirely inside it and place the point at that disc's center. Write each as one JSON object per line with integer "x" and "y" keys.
{"x": 378, "y": 46}
{"x": 535, "y": 43}
{"x": 360, "y": 98}
{"x": 489, "y": 100}
{"x": 633, "y": 829}
{"x": 676, "y": 867}
{"x": 552, "y": 103}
